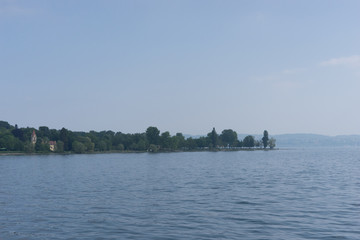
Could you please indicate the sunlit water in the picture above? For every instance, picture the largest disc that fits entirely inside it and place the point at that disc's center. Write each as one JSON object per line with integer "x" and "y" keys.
{"x": 285, "y": 194}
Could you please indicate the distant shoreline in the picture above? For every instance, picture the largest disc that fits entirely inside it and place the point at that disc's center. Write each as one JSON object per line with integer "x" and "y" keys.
{"x": 124, "y": 152}
{"x": 22, "y": 141}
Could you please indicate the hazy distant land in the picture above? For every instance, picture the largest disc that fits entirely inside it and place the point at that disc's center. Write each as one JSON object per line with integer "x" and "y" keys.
{"x": 306, "y": 140}
{"x": 314, "y": 140}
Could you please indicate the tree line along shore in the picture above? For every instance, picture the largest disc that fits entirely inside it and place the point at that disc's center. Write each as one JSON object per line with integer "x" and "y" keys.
{"x": 44, "y": 140}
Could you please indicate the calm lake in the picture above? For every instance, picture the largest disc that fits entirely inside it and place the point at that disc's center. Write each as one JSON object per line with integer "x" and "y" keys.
{"x": 284, "y": 194}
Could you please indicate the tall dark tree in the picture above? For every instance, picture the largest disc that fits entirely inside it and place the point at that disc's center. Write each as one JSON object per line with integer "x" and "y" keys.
{"x": 165, "y": 140}
{"x": 152, "y": 135}
{"x": 18, "y": 133}
{"x": 265, "y": 139}
{"x": 64, "y": 137}
{"x": 54, "y": 135}
{"x": 44, "y": 132}
{"x": 214, "y": 138}
{"x": 180, "y": 139}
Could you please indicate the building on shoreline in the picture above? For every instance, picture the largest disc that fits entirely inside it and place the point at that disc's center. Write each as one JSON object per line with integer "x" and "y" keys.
{"x": 33, "y": 138}
{"x": 52, "y": 145}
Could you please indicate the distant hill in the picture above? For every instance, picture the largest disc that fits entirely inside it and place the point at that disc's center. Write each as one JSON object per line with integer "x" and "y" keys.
{"x": 315, "y": 140}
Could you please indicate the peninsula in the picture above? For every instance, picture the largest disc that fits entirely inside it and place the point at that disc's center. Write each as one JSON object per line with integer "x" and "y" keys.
{"x": 44, "y": 140}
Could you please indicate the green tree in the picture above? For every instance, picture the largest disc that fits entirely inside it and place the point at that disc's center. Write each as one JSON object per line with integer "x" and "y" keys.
{"x": 87, "y": 143}
{"x": 249, "y": 141}
{"x": 272, "y": 143}
{"x": 45, "y": 147}
{"x": 265, "y": 139}
{"x": 153, "y": 148}
{"x": 141, "y": 145}
{"x": 5, "y": 125}
{"x": 240, "y": 143}
{"x": 190, "y": 143}
{"x": 42, "y": 145}
{"x": 8, "y": 141}
{"x": 27, "y": 133}
{"x": 60, "y": 146}
{"x": 179, "y": 139}
{"x": 102, "y": 146}
{"x": 258, "y": 144}
{"x": 120, "y": 147}
{"x": 78, "y": 147}
{"x": 228, "y": 137}
{"x": 64, "y": 137}
{"x": 54, "y": 135}
{"x": 38, "y": 144}
{"x": 44, "y": 132}
{"x": 107, "y": 137}
{"x": 29, "y": 147}
{"x": 152, "y": 135}
{"x": 19, "y": 145}
{"x": 203, "y": 142}
{"x": 133, "y": 146}
{"x": 18, "y": 133}
{"x": 214, "y": 138}
{"x": 165, "y": 140}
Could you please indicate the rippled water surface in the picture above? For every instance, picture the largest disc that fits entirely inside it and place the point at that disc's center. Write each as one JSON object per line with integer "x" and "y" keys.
{"x": 285, "y": 194}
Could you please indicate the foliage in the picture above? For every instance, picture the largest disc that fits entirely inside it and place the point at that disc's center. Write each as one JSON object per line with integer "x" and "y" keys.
{"x": 5, "y": 125}
{"x": 214, "y": 138}
{"x": 78, "y": 147}
{"x": 249, "y": 141}
{"x": 153, "y": 148}
{"x": 165, "y": 140}
{"x": 272, "y": 143}
{"x": 13, "y": 138}
{"x": 64, "y": 137}
{"x": 265, "y": 139}
{"x": 229, "y": 137}
{"x": 152, "y": 135}
{"x": 60, "y": 146}
{"x": 29, "y": 147}
{"x": 120, "y": 147}
{"x": 18, "y": 133}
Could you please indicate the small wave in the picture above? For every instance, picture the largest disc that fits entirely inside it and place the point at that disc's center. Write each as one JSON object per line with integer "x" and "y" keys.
{"x": 246, "y": 203}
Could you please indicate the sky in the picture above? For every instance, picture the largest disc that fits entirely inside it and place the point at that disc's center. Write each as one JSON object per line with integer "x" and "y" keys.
{"x": 290, "y": 66}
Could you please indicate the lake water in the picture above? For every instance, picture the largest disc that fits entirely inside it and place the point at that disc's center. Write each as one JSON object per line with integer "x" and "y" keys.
{"x": 285, "y": 194}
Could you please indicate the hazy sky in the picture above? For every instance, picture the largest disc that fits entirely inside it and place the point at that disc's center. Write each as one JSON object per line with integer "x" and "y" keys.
{"x": 183, "y": 66}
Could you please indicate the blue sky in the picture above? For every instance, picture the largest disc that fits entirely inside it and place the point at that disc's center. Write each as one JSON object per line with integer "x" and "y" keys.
{"x": 183, "y": 66}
